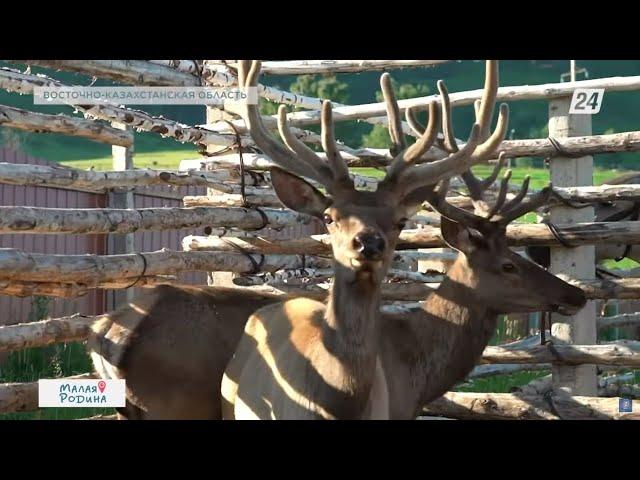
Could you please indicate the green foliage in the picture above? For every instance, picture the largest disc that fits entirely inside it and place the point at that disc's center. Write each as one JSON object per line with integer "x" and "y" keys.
{"x": 325, "y": 87}
{"x": 267, "y": 107}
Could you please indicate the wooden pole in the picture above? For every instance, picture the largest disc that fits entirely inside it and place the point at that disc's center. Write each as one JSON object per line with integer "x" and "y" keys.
{"x": 121, "y": 198}
{"x": 213, "y": 115}
{"x": 578, "y": 262}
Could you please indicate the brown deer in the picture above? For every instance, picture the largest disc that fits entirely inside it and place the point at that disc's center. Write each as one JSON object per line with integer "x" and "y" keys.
{"x": 289, "y": 365}
{"x": 364, "y": 228}
{"x": 303, "y": 359}
{"x": 429, "y": 350}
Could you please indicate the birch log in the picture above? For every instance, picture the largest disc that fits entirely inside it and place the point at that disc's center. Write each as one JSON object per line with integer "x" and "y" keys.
{"x": 112, "y": 220}
{"x": 222, "y": 76}
{"x": 38, "y": 334}
{"x": 622, "y": 320}
{"x": 306, "y": 67}
{"x": 16, "y": 265}
{"x": 284, "y": 277}
{"x": 621, "y": 289}
{"x": 260, "y": 198}
{"x": 75, "y": 328}
{"x": 620, "y": 390}
{"x": 261, "y": 162}
{"x": 23, "y": 397}
{"x": 184, "y": 66}
{"x": 509, "y": 406}
{"x": 611, "y": 386}
{"x": 18, "y": 288}
{"x": 622, "y": 353}
{"x": 136, "y": 72}
{"x": 15, "y": 81}
{"x": 78, "y": 127}
{"x": 505, "y": 94}
{"x": 312, "y": 245}
{"x": 518, "y": 235}
{"x": 540, "y": 147}
{"x": 414, "y": 292}
{"x": 101, "y": 181}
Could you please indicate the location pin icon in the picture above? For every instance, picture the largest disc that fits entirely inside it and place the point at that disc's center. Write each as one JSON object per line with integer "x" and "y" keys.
{"x": 102, "y": 385}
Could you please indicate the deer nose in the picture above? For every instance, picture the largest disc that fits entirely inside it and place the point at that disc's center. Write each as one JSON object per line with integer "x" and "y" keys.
{"x": 369, "y": 244}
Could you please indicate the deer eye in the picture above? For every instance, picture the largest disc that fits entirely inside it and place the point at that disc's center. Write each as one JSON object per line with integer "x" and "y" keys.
{"x": 327, "y": 219}
{"x": 402, "y": 223}
{"x": 509, "y": 267}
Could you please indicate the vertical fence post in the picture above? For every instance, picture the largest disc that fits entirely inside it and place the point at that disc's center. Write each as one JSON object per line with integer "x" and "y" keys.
{"x": 121, "y": 198}
{"x": 576, "y": 262}
{"x": 214, "y": 114}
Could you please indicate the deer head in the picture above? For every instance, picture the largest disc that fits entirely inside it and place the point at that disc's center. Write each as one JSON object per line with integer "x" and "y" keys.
{"x": 365, "y": 226}
{"x": 502, "y": 280}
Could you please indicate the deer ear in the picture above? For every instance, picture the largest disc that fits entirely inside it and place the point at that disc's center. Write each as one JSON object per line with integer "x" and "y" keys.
{"x": 298, "y": 194}
{"x": 456, "y": 235}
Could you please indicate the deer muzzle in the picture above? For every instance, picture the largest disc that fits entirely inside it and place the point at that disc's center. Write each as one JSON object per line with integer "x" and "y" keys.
{"x": 369, "y": 246}
{"x": 572, "y": 302}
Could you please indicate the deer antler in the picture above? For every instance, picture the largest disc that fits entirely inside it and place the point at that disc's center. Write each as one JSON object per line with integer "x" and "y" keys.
{"x": 479, "y": 147}
{"x": 332, "y": 174}
{"x": 501, "y": 213}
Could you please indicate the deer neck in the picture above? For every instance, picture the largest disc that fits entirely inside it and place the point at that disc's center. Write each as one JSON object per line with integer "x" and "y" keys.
{"x": 443, "y": 340}
{"x": 351, "y": 327}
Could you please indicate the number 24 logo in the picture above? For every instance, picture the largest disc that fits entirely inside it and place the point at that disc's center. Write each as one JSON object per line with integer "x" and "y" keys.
{"x": 586, "y": 101}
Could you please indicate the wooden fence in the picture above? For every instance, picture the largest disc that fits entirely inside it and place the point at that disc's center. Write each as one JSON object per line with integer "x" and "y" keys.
{"x": 29, "y": 268}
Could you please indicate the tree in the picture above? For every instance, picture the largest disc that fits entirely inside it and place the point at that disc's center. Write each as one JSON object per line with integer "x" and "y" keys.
{"x": 321, "y": 86}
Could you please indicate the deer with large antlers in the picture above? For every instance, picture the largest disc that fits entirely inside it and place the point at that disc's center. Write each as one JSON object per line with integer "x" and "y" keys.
{"x": 304, "y": 359}
{"x": 429, "y": 350}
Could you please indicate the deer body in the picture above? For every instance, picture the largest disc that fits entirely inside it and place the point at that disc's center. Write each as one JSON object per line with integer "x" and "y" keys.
{"x": 302, "y": 359}
{"x": 329, "y": 378}
{"x": 171, "y": 345}
{"x": 427, "y": 351}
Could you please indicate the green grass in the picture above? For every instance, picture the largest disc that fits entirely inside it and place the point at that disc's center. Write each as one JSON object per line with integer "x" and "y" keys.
{"x": 501, "y": 383}
{"x": 539, "y": 176}
{"x": 167, "y": 159}
{"x": 53, "y": 361}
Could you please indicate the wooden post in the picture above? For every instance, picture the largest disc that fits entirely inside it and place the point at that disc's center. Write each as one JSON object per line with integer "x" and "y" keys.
{"x": 578, "y": 262}
{"x": 121, "y": 198}
{"x": 220, "y": 279}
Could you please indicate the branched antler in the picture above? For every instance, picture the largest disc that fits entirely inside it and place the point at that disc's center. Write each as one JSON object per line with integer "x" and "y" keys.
{"x": 402, "y": 174}
{"x": 294, "y": 155}
{"x": 480, "y": 146}
{"x": 500, "y": 214}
